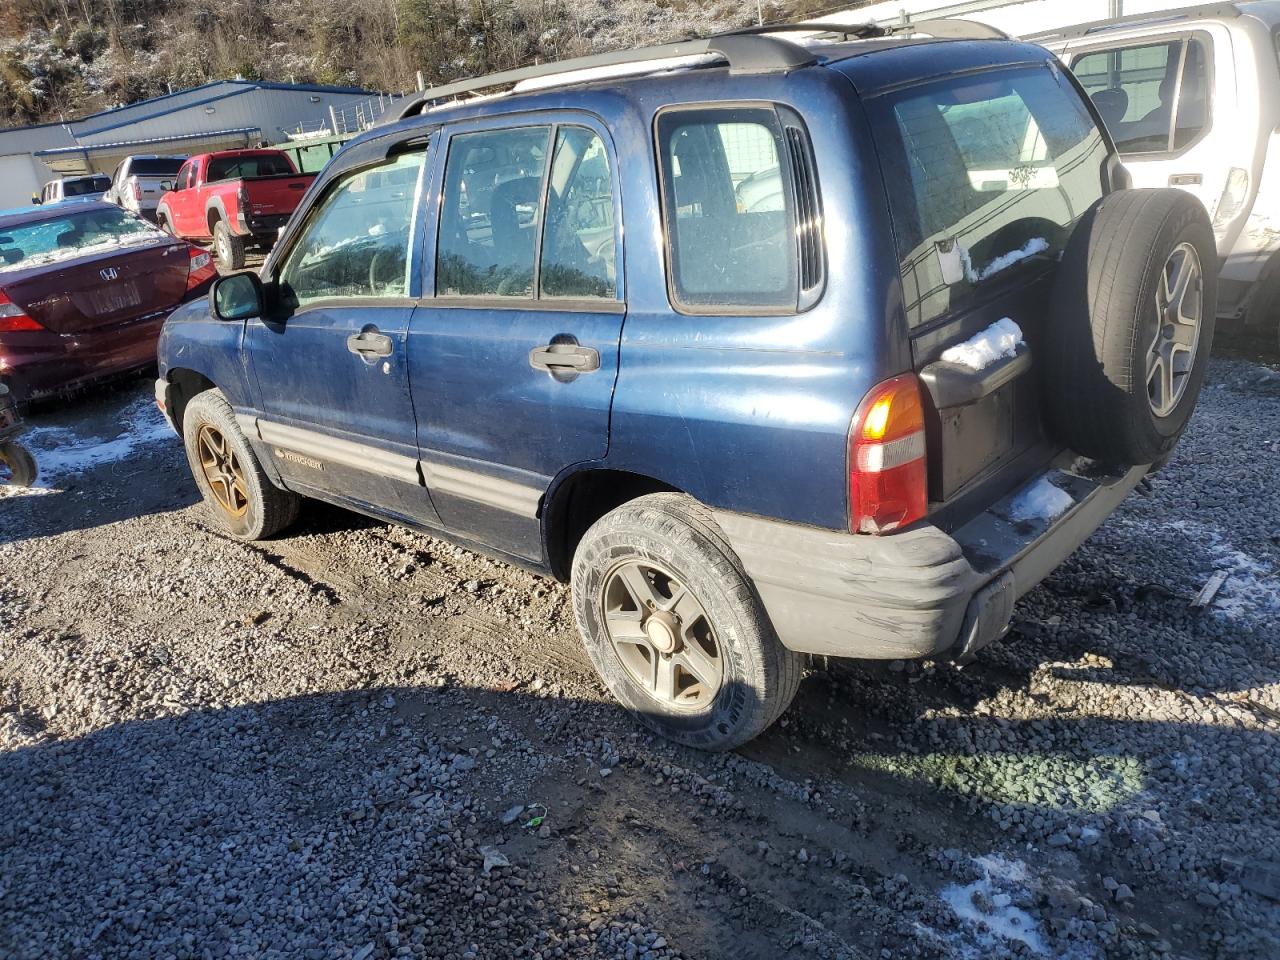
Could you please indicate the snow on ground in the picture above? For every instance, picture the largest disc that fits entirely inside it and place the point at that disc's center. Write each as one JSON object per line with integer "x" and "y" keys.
{"x": 61, "y": 452}
{"x": 1040, "y": 500}
{"x": 988, "y": 905}
{"x": 998, "y": 341}
{"x": 1252, "y": 587}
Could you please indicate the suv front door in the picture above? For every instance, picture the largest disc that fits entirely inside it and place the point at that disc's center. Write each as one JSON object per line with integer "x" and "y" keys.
{"x": 513, "y": 360}
{"x": 330, "y": 361}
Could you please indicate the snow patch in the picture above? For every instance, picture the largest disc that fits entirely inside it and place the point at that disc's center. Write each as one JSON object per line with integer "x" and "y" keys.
{"x": 987, "y": 903}
{"x": 1252, "y": 587}
{"x": 61, "y": 453}
{"x": 141, "y": 238}
{"x": 1006, "y": 260}
{"x": 980, "y": 351}
{"x": 1040, "y": 501}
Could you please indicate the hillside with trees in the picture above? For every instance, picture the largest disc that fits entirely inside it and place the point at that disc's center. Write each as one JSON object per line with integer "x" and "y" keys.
{"x": 61, "y": 59}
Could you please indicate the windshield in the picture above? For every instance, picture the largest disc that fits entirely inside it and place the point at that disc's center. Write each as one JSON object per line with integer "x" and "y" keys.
{"x": 155, "y": 166}
{"x": 250, "y": 167}
{"x": 72, "y": 235}
{"x": 85, "y": 186}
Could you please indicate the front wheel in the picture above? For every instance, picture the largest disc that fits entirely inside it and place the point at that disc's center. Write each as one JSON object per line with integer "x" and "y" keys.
{"x": 675, "y": 628}
{"x": 241, "y": 499}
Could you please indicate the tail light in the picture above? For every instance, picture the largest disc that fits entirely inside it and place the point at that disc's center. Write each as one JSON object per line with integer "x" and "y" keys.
{"x": 137, "y": 190}
{"x": 888, "y": 483}
{"x": 13, "y": 317}
{"x": 1234, "y": 194}
{"x": 242, "y": 195}
{"x": 200, "y": 268}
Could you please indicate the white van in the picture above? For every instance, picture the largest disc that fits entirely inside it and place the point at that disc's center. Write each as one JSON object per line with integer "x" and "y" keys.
{"x": 1192, "y": 99}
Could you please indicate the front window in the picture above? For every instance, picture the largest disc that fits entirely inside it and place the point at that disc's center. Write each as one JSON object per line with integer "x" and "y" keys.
{"x": 356, "y": 242}
{"x": 1153, "y": 98}
{"x": 72, "y": 235}
{"x": 985, "y": 173}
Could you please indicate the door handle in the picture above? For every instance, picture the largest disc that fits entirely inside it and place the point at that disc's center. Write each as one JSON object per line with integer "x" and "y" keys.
{"x": 370, "y": 343}
{"x": 564, "y": 357}
{"x": 1185, "y": 180}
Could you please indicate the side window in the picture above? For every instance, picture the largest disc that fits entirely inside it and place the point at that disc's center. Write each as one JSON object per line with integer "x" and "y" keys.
{"x": 731, "y": 209}
{"x": 1154, "y": 98}
{"x": 489, "y": 213}
{"x": 181, "y": 181}
{"x": 984, "y": 172}
{"x": 578, "y": 256}
{"x": 356, "y": 241}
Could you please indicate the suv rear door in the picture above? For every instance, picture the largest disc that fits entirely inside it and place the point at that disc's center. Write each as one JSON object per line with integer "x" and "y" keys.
{"x": 513, "y": 358}
{"x": 987, "y": 173}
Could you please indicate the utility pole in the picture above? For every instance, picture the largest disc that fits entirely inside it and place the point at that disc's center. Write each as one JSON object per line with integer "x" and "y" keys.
{"x": 759, "y": 14}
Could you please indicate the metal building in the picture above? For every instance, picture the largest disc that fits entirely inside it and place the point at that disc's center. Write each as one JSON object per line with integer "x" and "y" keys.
{"x": 220, "y": 115}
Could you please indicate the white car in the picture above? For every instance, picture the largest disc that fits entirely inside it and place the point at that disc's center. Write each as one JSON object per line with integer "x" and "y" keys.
{"x": 139, "y": 181}
{"x": 1192, "y": 99}
{"x": 90, "y": 187}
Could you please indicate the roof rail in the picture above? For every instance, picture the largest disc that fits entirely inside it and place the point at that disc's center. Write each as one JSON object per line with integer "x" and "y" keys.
{"x": 744, "y": 53}
{"x": 1223, "y": 10}
{"x": 947, "y": 29}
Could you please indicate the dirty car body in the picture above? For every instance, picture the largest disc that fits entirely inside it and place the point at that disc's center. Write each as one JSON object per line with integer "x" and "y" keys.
{"x": 496, "y": 406}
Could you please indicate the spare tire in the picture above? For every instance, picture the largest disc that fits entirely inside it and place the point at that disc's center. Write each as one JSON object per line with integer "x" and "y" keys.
{"x": 1131, "y": 326}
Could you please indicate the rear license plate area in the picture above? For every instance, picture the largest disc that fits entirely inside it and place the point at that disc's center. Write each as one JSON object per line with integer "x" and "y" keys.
{"x": 116, "y": 298}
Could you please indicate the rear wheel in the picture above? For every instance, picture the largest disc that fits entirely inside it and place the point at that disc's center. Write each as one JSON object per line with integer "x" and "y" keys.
{"x": 240, "y": 498}
{"x": 17, "y": 465}
{"x": 675, "y": 628}
{"x": 1131, "y": 326}
{"x": 228, "y": 249}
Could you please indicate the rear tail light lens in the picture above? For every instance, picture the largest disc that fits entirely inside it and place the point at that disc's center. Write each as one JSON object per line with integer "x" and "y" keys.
{"x": 888, "y": 483}
{"x": 13, "y": 318}
{"x": 137, "y": 191}
{"x": 1234, "y": 194}
{"x": 200, "y": 268}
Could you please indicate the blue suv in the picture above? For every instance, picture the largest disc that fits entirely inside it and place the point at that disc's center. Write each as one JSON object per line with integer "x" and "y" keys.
{"x": 826, "y": 341}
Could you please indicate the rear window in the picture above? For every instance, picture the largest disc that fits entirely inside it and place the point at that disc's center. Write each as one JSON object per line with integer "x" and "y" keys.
{"x": 985, "y": 173}
{"x": 251, "y": 167}
{"x": 72, "y": 235}
{"x": 740, "y": 204}
{"x": 86, "y": 186}
{"x": 155, "y": 167}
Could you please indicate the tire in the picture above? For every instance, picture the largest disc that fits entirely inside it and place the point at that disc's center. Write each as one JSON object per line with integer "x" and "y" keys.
{"x": 17, "y": 466}
{"x": 675, "y": 539}
{"x": 1103, "y": 397}
{"x": 252, "y": 509}
{"x": 228, "y": 249}
{"x": 162, "y": 221}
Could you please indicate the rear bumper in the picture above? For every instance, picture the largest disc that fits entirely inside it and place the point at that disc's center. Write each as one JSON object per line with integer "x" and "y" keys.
{"x": 263, "y": 228}
{"x": 46, "y": 365}
{"x": 920, "y": 593}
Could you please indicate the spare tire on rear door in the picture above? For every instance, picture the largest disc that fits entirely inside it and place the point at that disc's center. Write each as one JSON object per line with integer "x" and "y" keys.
{"x": 1130, "y": 326}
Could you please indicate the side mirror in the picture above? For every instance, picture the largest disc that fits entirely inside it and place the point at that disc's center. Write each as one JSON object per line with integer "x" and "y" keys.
{"x": 35, "y": 199}
{"x": 237, "y": 297}
{"x": 166, "y": 186}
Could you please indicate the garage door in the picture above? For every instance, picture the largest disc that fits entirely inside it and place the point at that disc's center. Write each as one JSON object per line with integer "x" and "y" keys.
{"x": 18, "y": 180}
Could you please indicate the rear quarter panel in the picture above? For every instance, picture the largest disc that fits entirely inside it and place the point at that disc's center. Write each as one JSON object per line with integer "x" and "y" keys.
{"x": 751, "y": 413}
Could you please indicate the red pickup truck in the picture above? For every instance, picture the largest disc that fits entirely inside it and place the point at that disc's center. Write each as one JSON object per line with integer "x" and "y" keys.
{"x": 233, "y": 198}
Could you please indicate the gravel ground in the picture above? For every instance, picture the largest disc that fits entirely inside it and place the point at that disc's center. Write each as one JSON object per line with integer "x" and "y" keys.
{"x": 359, "y": 742}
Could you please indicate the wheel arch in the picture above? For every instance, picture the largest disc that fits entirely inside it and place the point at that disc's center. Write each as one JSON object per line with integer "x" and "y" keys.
{"x": 578, "y": 499}
{"x": 214, "y": 212}
{"x": 184, "y": 383}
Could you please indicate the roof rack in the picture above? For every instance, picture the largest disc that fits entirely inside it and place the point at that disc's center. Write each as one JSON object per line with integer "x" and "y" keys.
{"x": 751, "y": 50}
{"x": 1224, "y": 10}
{"x": 744, "y": 53}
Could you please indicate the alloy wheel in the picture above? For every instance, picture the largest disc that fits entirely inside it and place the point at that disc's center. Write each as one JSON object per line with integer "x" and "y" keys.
{"x": 662, "y": 635}
{"x": 1179, "y": 309}
{"x": 222, "y": 471}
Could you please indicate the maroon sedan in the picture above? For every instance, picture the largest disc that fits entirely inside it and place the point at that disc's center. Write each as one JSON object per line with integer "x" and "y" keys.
{"x": 84, "y": 291}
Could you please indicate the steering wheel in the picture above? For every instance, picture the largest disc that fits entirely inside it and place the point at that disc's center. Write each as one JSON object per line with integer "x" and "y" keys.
{"x": 384, "y": 270}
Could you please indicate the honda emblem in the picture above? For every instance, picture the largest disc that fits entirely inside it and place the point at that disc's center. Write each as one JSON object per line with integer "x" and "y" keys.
{"x": 109, "y": 273}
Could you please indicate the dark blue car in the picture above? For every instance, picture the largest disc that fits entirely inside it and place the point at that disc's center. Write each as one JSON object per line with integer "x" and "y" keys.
{"x": 772, "y": 347}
